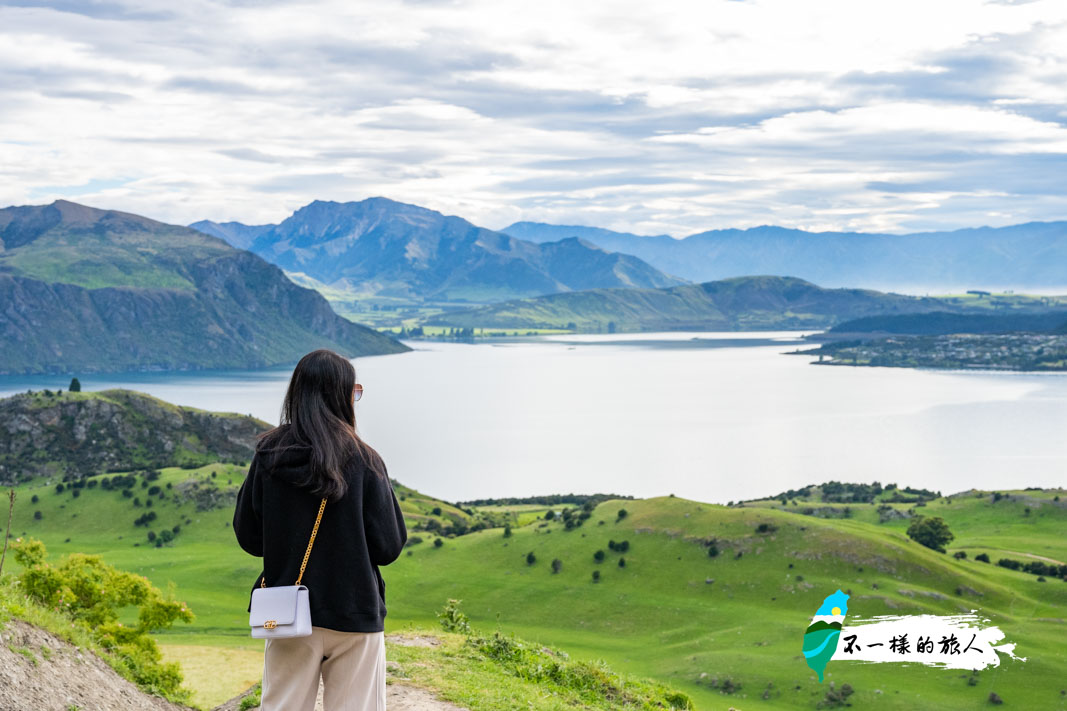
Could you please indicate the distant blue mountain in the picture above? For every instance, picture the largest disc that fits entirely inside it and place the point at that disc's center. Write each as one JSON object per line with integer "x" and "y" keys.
{"x": 382, "y": 247}
{"x": 235, "y": 234}
{"x": 1032, "y": 255}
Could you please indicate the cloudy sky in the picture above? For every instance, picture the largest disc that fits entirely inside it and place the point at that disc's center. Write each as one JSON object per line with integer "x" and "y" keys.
{"x": 670, "y": 117}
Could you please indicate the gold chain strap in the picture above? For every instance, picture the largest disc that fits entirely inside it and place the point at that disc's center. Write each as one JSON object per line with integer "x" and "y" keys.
{"x": 307, "y": 553}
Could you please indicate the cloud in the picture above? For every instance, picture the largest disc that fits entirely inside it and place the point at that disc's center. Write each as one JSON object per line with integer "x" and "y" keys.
{"x": 884, "y": 116}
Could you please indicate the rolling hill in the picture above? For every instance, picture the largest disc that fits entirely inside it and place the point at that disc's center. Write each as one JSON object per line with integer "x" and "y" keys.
{"x": 710, "y": 600}
{"x": 724, "y": 629}
{"x": 380, "y": 247}
{"x": 69, "y": 435}
{"x": 86, "y": 290}
{"x": 759, "y": 302}
{"x": 1029, "y": 255}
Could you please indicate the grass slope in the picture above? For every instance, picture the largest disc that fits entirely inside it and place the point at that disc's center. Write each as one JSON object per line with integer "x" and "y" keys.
{"x": 701, "y": 624}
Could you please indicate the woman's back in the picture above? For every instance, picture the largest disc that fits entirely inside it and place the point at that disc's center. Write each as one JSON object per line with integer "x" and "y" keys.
{"x": 362, "y": 530}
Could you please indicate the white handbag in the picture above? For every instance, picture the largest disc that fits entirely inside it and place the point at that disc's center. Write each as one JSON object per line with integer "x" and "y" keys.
{"x": 283, "y": 611}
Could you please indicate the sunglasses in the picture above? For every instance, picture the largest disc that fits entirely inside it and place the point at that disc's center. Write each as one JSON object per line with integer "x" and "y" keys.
{"x": 357, "y": 392}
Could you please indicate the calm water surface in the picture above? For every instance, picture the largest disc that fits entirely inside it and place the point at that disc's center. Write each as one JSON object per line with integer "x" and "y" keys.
{"x": 723, "y": 417}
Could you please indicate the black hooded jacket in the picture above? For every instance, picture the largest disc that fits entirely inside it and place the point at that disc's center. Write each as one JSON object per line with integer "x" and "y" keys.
{"x": 361, "y": 531}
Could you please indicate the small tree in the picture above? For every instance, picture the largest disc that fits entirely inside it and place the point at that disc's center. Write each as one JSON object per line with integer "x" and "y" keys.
{"x": 34, "y": 499}
{"x": 596, "y": 576}
{"x": 75, "y": 385}
{"x": 437, "y": 543}
{"x": 599, "y": 556}
{"x": 931, "y": 532}
{"x": 622, "y": 562}
{"x": 530, "y": 558}
{"x": 507, "y": 531}
{"x": 37, "y": 515}
{"x": 557, "y": 565}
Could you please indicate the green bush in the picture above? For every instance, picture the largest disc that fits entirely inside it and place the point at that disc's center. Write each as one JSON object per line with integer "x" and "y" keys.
{"x": 452, "y": 620}
{"x": 92, "y": 593}
{"x": 931, "y": 532}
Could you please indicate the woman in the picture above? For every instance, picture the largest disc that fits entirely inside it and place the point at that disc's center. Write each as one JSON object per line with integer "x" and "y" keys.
{"x": 316, "y": 453}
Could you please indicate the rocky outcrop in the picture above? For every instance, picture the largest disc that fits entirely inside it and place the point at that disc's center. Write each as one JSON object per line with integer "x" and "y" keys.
{"x": 73, "y": 435}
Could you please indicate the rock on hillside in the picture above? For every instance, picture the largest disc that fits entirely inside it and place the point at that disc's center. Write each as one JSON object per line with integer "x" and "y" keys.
{"x": 71, "y": 435}
{"x": 41, "y": 672}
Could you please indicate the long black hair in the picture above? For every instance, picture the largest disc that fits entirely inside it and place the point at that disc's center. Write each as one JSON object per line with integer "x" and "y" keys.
{"x": 318, "y": 412}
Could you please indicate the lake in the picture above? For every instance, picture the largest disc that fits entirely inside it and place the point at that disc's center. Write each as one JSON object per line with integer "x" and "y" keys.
{"x": 710, "y": 416}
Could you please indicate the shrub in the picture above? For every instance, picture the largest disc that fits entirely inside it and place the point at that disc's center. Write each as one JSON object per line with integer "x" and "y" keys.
{"x": 557, "y": 565}
{"x": 767, "y": 528}
{"x": 59, "y": 488}
{"x": 549, "y": 515}
{"x": 34, "y": 499}
{"x": 452, "y": 620}
{"x": 37, "y": 515}
{"x": 436, "y": 511}
{"x": 623, "y": 513}
{"x": 596, "y": 576}
{"x": 984, "y": 557}
{"x": 622, "y": 562}
{"x": 530, "y": 558}
{"x": 437, "y": 543}
{"x": 599, "y": 556}
{"x": 931, "y": 532}
{"x": 413, "y": 541}
{"x": 507, "y": 531}
{"x": 92, "y": 593}
{"x": 959, "y": 555}
{"x": 836, "y": 697}
{"x": 151, "y": 535}
{"x": 76, "y": 493}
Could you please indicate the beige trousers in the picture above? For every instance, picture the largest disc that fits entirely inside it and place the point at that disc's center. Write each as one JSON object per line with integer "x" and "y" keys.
{"x": 352, "y": 665}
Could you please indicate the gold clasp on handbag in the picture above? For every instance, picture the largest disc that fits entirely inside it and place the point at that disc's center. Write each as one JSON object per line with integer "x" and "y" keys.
{"x": 270, "y": 624}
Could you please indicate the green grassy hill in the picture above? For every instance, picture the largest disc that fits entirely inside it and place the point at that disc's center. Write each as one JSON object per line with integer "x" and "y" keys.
{"x": 68, "y": 434}
{"x": 725, "y": 629}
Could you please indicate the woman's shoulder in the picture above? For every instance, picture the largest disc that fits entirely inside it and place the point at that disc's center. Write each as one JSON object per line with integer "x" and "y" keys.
{"x": 366, "y": 461}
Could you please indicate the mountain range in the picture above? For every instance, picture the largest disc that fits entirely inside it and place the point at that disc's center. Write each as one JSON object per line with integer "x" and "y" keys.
{"x": 1031, "y": 255}
{"x": 380, "y": 247}
{"x": 83, "y": 289}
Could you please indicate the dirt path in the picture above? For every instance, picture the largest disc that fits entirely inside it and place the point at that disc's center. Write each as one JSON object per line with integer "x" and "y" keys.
{"x": 1031, "y": 555}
